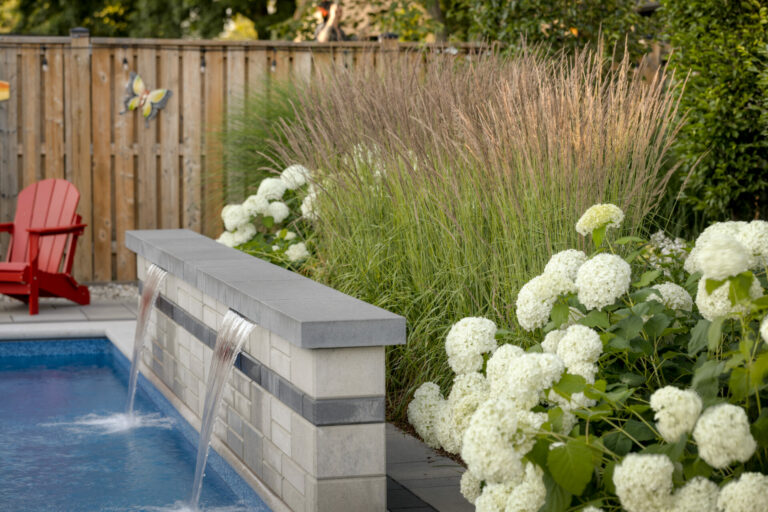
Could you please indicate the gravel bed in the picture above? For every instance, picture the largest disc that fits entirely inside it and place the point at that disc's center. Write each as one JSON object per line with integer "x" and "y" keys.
{"x": 110, "y": 292}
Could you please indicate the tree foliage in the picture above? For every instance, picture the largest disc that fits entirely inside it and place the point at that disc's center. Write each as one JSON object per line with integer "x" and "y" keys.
{"x": 145, "y": 18}
{"x": 724, "y": 45}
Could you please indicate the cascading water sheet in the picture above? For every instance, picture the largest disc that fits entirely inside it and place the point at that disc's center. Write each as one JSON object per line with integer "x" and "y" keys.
{"x": 233, "y": 333}
{"x": 155, "y": 277}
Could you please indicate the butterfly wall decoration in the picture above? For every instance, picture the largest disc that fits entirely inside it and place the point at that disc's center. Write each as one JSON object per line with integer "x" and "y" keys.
{"x": 5, "y": 90}
{"x": 139, "y": 97}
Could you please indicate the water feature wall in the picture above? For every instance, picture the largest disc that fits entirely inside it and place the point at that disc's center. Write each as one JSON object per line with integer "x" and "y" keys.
{"x": 303, "y": 413}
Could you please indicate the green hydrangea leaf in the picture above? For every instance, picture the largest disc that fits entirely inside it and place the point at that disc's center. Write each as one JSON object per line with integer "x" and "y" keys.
{"x": 698, "y": 340}
{"x": 571, "y": 465}
{"x": 558, "y": 499}
{"x": 712, "y": 284}
{"x": 570, "y": 384}
{"x": 714, "y": 333}
{"x": 647, "y": 278}
{"x": 598, "y": 235}
{"x": 596, "y": 318}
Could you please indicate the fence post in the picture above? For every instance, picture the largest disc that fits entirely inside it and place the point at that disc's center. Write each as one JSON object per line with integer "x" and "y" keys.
{"x": 78, "y": 99}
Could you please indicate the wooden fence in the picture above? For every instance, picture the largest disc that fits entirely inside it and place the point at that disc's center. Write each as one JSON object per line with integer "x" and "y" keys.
{"x": 62, "y": 121}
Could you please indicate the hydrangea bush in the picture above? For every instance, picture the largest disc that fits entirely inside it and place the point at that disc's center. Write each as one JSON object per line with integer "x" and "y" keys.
{"x": 645, "y": 393}
{"x": 273, "y": 223}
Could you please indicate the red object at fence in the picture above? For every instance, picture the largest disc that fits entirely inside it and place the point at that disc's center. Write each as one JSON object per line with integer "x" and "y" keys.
{"x": 43, "y": 239}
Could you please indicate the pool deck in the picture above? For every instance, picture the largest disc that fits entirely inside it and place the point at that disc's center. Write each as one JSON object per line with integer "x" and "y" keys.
{"x": 418, "y": 479}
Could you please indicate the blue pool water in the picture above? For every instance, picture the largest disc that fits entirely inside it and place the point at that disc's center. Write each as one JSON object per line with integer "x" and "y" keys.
{"x": 65, "y": 446}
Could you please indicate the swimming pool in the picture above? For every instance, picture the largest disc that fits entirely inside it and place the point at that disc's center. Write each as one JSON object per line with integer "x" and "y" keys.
{"x": 65, "y": 444}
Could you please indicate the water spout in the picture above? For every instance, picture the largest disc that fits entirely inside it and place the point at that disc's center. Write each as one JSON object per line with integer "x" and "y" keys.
{"x": 233, "y": 333}
{"x": 155, "y": 277}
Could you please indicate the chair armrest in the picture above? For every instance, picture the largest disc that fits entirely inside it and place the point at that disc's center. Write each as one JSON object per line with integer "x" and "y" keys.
{"x": 6, "y": 227}
{"x": 59, "y": 230}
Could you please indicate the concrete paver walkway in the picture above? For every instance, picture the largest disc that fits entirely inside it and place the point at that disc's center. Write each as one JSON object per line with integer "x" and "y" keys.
{"x": 418, "y": 479}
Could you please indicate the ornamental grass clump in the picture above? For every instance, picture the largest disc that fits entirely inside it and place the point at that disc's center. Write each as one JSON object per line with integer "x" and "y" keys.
{"x": 443, "y": 182}
{"x": 637, "y": 399}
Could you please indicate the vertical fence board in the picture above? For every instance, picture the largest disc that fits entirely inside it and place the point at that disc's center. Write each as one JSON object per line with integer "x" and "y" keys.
{"x": 168, "y": 120}
{"x": 302, "y": 66}
{"x": 125, "y": 207}
{"x": 258, "y": 71}
{"x": 30, "y": 114}
{"x": 101, "y": 108}
{"x": 235, "y": 98}
{"x": 78, "y": 75}
{"x": 9, "y": 159}
{"x": 214, "y": 110}
{"x": 281, "y": 65}
{"x": 54, "y": 114}
{"x": 191, "y": 140}
{"x": 147, "y": 157}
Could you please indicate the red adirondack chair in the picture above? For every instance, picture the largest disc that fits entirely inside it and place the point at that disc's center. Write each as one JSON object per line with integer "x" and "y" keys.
{"x": 45, "y": 228}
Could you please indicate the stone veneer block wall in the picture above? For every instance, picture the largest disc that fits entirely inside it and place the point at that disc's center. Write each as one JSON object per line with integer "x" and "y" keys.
{"x": 304, "y": 408}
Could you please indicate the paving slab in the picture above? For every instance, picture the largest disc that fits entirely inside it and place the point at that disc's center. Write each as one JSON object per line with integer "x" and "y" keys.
{"x": 421, "y": 471}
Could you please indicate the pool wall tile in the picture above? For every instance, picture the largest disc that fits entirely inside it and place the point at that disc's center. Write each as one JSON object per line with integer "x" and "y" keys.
{"x": 307, "y": 422}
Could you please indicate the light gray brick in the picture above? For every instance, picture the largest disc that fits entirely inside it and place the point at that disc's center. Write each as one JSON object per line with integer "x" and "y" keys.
{"x": 281, "y": 438}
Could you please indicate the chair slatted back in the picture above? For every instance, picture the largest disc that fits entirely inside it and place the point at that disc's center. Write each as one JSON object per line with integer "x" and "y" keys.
{"x": 46, "y": 204}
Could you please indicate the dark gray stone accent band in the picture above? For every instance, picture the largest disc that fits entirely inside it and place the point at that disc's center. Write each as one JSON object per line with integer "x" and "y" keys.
{"x": 299, "y": 310}
{"x": 318, "y": 411}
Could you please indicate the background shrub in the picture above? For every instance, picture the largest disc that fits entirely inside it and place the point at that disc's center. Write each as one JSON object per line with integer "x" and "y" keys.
{"x": 723, "y": 46}
{"x": 442, "y": 189}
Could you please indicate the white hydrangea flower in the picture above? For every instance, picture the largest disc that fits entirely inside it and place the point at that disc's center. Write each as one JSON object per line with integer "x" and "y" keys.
{"x": 715, "y": 231}
{"x": 698, "y": 495}
{"x": 598, "y": 216}
{"x": 580, "y": 344}
{"x": 297, "y": 252}
{"x": 602, "y": 280}
{"x": 531, "y": 494}
{"x": 275, "y": 248}
{"x": 309, "y": 206}
{"x": 489, "y": 446}
{"x": 470, "y": 486}
{"x": 468, "y": 392}
{"x": 644, "y": 482}
{"x": 278, "y": 210}
{"x": 717, "y": 303}
{"x": 754, "y": 236}
{"x": 244, "y": 233}
{"x": 584, "y": 369}
{"x": 526, "y": 376}
{"x": 234, "y": 216}
{"x": 552, "y": 340}
{"x": 691, "y": 264}
{"x": 722, "y": 257}
{"x": 673, "y": 296}
{"x": 271, "y": 189}
{"x": 467, "y": 340}
{"x": 295, "y": 176}
{"x": 592, "y": 508}
{"x": 745, "y": 494}
{"x": 424, "y": 412}
{"x": 494, "y": 497}
{"x": 255, "y": 205}
{"x": 289, "y": 235}
{"x": 723, "y": 436}
{"x": 227, "y": 238}
{"x": 764, "y": 329}
{"x": 496, "y": 369}
{"x": 566, "y": 263}
{"x": 536, "y": 298}
{"x": 676, "y": 411}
